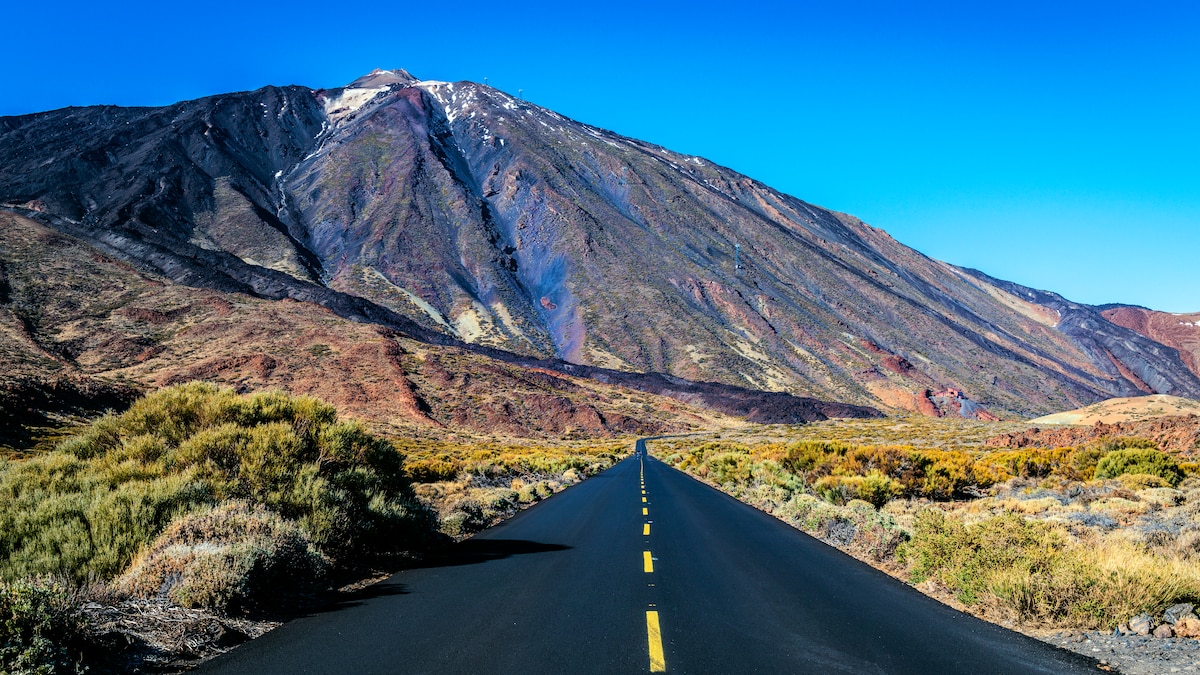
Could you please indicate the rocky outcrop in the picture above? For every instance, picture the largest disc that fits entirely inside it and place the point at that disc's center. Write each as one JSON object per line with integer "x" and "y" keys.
{"x": 1179, "y": 434}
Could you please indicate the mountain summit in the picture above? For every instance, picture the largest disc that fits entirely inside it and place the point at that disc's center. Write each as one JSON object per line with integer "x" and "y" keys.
{"x": 383, "y": 78}
{"x": 458, "y": 213}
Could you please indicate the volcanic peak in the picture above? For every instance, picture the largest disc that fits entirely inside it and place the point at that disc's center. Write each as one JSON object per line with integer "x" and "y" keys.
{"x": 382, "y": 78}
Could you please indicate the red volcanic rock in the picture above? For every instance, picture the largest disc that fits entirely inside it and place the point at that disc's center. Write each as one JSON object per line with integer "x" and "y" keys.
{"x": 926, "y": 406}
{"x": 897, "y": 364}
{"x": 1170, "y": 433}
{"x": 872, "y": 347}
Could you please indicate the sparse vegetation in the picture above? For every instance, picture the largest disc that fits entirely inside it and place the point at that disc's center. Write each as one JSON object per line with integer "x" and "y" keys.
{"x": 473, "y": 486}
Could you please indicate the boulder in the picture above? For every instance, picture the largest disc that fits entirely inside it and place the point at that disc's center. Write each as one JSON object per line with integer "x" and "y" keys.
{"x": 1188, "y": 626}
{"x": 1141, "y": 624}
{"x": 1164, "y": 631}
{"x": 1177, "y": 612}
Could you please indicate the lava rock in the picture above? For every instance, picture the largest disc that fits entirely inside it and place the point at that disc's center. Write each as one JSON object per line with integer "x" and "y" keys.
{"x": 1188, "y": 626}
{"x": 1177, "y": 612}
{"x": 1141, "y": 624}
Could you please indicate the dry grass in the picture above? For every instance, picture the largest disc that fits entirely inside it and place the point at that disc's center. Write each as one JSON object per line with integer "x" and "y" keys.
{"x": 1038, "y": 574}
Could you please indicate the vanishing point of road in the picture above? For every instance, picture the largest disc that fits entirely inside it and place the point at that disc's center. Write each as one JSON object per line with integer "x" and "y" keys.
{"x": 644, "y": 569}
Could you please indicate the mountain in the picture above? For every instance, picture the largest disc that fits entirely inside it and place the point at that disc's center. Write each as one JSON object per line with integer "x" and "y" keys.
{"x": 457, "y": 214}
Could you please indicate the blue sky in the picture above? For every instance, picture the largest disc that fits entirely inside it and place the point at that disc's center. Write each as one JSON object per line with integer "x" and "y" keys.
{"x": 1057, "y": 147}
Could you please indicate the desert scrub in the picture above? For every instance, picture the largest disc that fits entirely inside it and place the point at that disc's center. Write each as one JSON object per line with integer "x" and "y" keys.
{"x": 472, "y": 486}
{"x": 433, "y": 462}
{"x": 842, "y": 471}
{"x": 84, "y": 510}
{"x": 40, "y": 630}
{"x": 233, "y": 557}
{"x": 857, "y": 526}
{"x": 1035, "y": 572}
{"x": 474, "y": 503}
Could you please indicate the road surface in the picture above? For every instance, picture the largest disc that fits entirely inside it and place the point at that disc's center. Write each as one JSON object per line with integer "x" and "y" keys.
{"x": 644, "y": 569}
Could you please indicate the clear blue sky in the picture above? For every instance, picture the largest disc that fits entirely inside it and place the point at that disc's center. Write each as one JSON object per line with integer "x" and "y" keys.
{"x": 1055, "y": 144}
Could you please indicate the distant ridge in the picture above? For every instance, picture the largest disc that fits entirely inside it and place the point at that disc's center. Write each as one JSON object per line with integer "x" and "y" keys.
{"x": 1116, "y": 410}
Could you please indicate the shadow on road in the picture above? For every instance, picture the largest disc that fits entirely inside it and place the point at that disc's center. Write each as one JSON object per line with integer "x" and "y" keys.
{"x": 475, "y": 551}
{"x": 469, "y": 552}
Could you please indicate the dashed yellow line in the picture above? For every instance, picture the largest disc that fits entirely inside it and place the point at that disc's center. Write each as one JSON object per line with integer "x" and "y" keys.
{"x": 643, "y": 500}
{"x": 646, "y": 529}
{"x": 645, "y": 511}
{"x": 658, "y": 662}
{"x": 647, "y": 562}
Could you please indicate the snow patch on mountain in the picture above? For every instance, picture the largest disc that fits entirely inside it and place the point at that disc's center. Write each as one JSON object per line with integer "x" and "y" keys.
{"x": 344, "y": 104}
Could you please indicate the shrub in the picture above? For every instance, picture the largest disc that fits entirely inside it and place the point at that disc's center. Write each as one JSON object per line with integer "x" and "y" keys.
{"x": 1030, "y": 462}
{"x": 232, "y": 557}
{"x": 85, "y": 509}
{"x": 1150, "y": 461}
{"x": 963, "y": 557}
{"x": 1142, "y": 481}
{"x": 40, "y": 632}
{"x": 875, "y": 488}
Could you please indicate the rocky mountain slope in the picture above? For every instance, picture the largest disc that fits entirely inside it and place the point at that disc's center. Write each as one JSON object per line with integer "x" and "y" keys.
{"x": 1178, "y": 331}
{"x": 455, "y": 213}
{"x": 81, "y": 332}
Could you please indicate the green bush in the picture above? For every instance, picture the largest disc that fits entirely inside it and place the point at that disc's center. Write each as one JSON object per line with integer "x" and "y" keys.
{"x": 876, "y": 489}
{"x": 1149, "y": 461}
{"x": 233, "y": 557}
{"x": 873, "y": 488}
{"x": 85, "y": 509}
{"x": 40, "y": 632}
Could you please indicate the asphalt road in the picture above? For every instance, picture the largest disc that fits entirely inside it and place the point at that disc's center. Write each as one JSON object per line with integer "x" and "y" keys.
{"x": 602, "y": 578}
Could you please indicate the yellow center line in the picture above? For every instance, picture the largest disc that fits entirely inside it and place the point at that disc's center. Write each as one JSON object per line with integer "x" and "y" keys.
{"x": 643, "y": 500}
{"x": 647, "y": 562}
{"x": 645, "y": 511}
{"x": 646, "y": 530}
{"x": 658, "y": 662}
